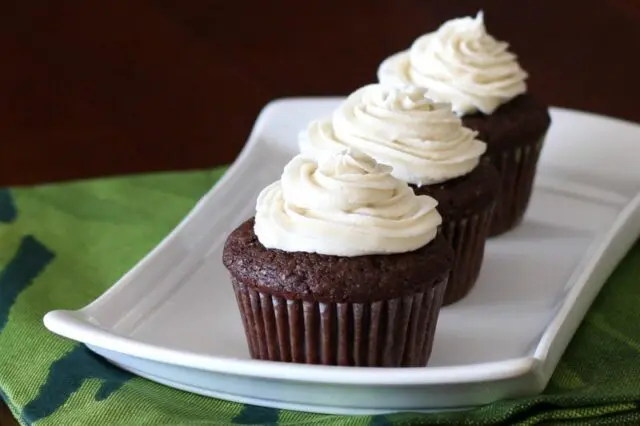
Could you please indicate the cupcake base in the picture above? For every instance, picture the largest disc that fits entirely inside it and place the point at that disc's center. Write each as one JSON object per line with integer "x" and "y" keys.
{"x": 389, "y": 333}
{"x": 467, "y": 206}
{"x": 374, "y": 310}
{"x": 517, "y": 168}
{"x": 514, "y": 134}
{"x": 467, "y": 236}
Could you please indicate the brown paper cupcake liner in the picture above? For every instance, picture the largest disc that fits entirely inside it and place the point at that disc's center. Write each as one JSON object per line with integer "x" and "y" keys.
{"x": 517, "y": 168}
{"x": 467, "y": 237}
{"x": 389, "y": 333}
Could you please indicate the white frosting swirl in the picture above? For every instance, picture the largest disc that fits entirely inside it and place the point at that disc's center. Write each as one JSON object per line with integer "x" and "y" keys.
{"x": 423, "y": 141}
{"x": 344, "y": 204}
{"x": 460, "y": 63}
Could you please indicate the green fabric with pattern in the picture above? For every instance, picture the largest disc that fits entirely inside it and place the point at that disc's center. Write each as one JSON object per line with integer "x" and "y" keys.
{"x": 62, "y": 245}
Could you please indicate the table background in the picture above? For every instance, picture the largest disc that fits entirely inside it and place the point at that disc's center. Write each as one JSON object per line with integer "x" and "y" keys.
{"x": 100, "y": 88}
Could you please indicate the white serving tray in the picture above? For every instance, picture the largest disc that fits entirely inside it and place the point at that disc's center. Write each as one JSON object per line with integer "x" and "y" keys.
{"x": 173, "y": 317}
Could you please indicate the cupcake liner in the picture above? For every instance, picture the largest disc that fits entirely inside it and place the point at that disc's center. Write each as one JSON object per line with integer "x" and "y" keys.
{"x": 467, "y": 237}
{"x": 517, "y": 168}
{"x": 387, "y": 333}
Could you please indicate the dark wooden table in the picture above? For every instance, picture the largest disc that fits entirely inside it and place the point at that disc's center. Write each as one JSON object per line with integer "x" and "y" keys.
{"x": 101, "y": 88}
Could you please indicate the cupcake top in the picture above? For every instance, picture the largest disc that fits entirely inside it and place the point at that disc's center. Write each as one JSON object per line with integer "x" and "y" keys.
{"x": 459, "y": 63}
{"x": 343, "y": 204}
{"x": 423, "y": 141}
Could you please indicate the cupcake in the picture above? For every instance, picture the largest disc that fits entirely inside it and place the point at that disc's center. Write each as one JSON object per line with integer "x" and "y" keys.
{"x": 462, "y": 64}
{"x": 427, "y": 147}
{"x": 342, "y": 265}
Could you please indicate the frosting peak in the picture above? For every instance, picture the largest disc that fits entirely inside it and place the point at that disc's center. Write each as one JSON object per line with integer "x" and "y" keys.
{"x": 343, "y": 204}
{"x": 423, "y": 140}
{"x": 459, "y": 63}
{"x": 409, "y": 99}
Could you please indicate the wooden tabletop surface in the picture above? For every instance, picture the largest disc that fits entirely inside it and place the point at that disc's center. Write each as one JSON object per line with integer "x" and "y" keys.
{"x": 100, "y": 88}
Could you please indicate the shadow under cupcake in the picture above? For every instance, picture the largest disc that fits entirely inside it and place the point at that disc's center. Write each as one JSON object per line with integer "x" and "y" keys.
{"x": 342, "y": 265}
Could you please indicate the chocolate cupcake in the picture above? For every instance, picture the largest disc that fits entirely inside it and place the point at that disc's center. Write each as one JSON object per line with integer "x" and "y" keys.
{"x": 427, "y": 147}
{"x": 342, "y": 265}
{"x": 466, "y": 204}
{"x": 462, "y": 64}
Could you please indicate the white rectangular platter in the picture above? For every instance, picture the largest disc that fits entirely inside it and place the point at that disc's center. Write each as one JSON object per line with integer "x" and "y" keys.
{"x": 173, "y": 317}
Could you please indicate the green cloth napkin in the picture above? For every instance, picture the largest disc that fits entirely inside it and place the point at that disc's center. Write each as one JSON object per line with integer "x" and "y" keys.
{"x": 62, "y": 245}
